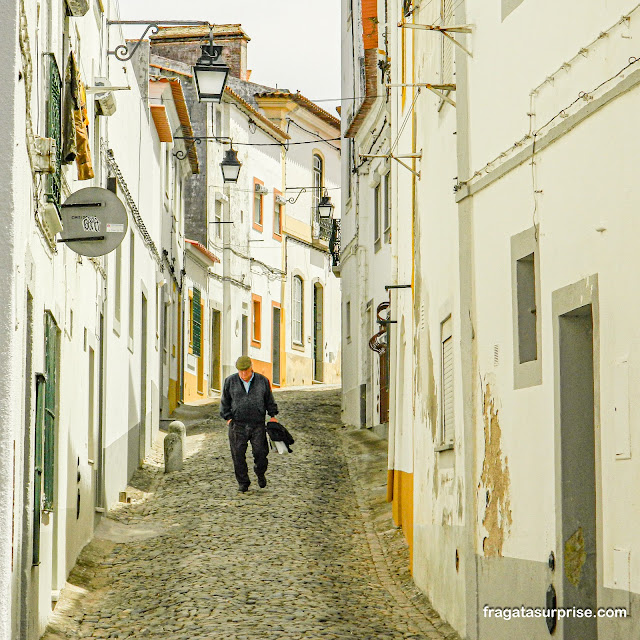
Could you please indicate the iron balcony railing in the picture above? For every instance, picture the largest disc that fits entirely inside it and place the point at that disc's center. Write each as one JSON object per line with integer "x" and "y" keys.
{"x": 334, "y": 242}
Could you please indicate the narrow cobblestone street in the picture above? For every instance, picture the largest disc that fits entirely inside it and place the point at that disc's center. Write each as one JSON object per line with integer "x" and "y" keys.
{"x": 315, "y": 555}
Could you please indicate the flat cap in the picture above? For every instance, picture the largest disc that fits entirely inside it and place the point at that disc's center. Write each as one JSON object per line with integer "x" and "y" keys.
{"x": 243, "y": 363}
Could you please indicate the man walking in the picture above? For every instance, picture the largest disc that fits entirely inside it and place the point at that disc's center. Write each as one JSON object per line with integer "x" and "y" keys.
{"x": 246, "y": 399}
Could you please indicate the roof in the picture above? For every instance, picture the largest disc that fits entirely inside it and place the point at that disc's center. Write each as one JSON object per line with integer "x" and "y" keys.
{"x": 183, "y": 115}
{"x": 304, "y": 102}
{"x": 203, "y": 250}
{"x": 161, "y": 120}
{"x": 200, "y": 32}
{"x": 274, "y": 130}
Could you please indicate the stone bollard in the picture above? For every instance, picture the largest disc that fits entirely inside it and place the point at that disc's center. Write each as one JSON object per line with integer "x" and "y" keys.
{"x": 172, "y": 453}
{"x": 177, "y": 427}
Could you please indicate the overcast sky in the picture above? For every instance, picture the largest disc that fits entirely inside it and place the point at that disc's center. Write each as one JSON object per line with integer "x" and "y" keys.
{"x": 295, "y": 45}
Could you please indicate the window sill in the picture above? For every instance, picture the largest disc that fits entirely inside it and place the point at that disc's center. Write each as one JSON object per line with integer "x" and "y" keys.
{"x": 256, "y": 343}
{"x": 444, "y": 447}
{"x": 116, "y": 327}
{"x": 377, "y": 245}
{"x": 298, "y": 346}
{"x": 130, "y": 344}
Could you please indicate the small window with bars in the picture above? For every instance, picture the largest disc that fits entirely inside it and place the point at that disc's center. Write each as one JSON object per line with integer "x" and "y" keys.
{"x": 54, "y": 126}
{"x": 297, "y": 309}
{"x": 447, "y": 428}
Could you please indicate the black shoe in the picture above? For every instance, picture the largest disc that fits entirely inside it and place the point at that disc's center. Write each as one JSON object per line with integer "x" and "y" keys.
{"x": 262, "y": 482}
{"x": 243, "y": 488}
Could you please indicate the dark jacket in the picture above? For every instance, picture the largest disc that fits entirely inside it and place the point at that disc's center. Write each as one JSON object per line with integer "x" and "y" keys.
{"x": 247, "y": 408}
{"x": 278, "y": 433}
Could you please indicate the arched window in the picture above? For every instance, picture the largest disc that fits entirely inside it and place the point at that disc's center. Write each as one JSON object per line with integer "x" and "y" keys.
{"x": 297, "y": 309}
{"x": 318, "y": 181}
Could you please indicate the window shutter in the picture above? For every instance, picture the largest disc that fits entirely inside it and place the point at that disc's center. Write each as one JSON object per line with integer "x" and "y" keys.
{"x": 37, "y": 470}
{"x": 447, "y": 384}
{"x": 197, "y": 323}
{"x": 50, "y": 399}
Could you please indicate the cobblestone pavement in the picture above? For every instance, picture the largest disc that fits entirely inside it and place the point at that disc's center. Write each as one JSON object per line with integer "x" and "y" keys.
{"x": 313, "y": 556}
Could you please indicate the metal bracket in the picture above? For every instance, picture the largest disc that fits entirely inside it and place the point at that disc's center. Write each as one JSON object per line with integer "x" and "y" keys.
{"x": 398, "y": 160}
{"x": 441, "y": 90}
{"x": 191, "y": 141}
{"x": 463, "y": 28}
{"x": 397, "y": 286}
{"x": 122, "y": 51}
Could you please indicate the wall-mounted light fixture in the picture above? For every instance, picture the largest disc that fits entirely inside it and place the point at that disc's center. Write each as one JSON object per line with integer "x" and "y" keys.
{"x": 210, "y": 72}
{"x": 230, "y": 164}
{"x": 325, "y": 207}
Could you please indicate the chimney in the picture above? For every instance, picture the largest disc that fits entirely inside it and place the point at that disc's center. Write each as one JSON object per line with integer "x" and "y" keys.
{"x": 183, "y": 44}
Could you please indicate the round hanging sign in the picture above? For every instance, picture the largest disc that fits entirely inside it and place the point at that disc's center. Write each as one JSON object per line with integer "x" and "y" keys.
{"x": 94, "y": 222}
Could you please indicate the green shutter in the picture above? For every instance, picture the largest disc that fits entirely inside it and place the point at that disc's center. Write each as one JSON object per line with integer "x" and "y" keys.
{"x": 197, "y": 323}
{"x": 51, "y": 366}
{"x": 37, "y": 473}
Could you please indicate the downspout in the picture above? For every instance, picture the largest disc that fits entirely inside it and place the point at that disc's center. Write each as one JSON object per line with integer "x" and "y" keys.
{"x": 468, "y": 362}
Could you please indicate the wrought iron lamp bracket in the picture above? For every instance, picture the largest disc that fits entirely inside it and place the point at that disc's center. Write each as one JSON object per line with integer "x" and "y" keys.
{"x": 191, "y": 141}
{"x": 124, "y": 52}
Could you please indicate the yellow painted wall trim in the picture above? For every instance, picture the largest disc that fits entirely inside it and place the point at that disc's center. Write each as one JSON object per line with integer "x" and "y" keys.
{"x": 400, "y": 494}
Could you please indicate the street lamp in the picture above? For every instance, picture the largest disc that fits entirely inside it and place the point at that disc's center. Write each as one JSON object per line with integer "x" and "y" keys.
{"x": 325, "y": 207}
{"x": 230, "y": 166}
{"x": 210, "y": 72}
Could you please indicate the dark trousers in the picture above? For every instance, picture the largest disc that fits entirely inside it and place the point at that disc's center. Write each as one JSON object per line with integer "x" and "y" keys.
{"x": 239, "y": 437}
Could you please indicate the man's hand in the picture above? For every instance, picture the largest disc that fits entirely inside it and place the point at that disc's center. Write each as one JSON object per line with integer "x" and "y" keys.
{"x": 229, "y": 420}
{"x": 273, "y": 419}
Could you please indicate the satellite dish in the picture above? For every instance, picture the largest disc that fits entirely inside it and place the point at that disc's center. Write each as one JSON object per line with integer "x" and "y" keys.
{"x": 94, "y": 222}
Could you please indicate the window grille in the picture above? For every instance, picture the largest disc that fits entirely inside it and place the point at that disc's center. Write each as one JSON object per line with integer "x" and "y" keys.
{"x": 54, "y": 127}
{"x": 197, "y": 323}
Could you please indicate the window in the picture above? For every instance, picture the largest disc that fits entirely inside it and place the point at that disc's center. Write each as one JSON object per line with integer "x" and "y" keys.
{"x": 297, "y": 310}
{"x": 277, "y": 219}
{"x": 447, "y": 421}
{"x": 318, "y": 182}
{"x": 347, "y": 323}
{"x": 376, "y": 215}
{"x": 526, "y": 285}
{"x": 195, "y": 320}
{"x": 257, "y": 205}
{"x": 256, "y": 320}
{"x": 525, "y": 277}
{"x": 218, "y": 219}
{"x": 386, "y": 207}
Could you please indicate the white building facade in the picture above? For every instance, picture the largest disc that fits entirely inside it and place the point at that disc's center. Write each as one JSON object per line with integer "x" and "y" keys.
{"x": 512, "y": 361}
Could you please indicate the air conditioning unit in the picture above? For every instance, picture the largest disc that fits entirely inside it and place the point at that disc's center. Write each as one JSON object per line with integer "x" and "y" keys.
{"x": 78, "y": 8}
{"x": 45, "y": 154}
{"x": 50, "y": 220}
{"x": 261, "y": 189}
{"x": 281, "y": 200}
{"x": 105, "y": 100}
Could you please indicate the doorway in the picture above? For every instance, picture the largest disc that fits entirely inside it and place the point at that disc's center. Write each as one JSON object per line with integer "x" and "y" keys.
{"x": 216, "y": 350}
{"x": 143, "y": 381}
{"x": 275, "y": 355}
{"x": 318, "y": 333}
{"x": 577, "y": 481}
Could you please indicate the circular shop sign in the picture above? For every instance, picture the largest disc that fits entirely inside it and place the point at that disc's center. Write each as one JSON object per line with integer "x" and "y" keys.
{"x": 94, "y": 222}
